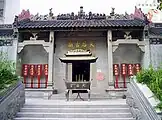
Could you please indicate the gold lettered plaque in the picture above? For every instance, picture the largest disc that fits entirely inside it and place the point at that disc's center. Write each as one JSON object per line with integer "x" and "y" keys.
{"x": 77, "y": 45}
{"x": 84, "y": 45}
{"x": 70, "y": 45}
{"x": 81, "y": 44}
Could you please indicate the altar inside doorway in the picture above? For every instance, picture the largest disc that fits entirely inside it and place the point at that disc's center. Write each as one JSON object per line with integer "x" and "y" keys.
{"x": 78, "y": 71}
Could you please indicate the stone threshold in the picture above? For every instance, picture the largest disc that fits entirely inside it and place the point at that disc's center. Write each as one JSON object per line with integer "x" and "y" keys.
{"x": 116, "y": 89}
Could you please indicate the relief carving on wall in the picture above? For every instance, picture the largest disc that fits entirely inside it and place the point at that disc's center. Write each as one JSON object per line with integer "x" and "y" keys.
{"x": 34, "y": 36}
{"x": 6, "y": 42}
{"x": 127, "y": 36}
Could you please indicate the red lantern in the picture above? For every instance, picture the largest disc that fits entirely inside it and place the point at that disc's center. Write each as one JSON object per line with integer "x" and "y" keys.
{"x": 32, "y": 73}
{"x": 137, "y": 67}
{"x": 130, "y": 69}
{"x": 39, "y": 74}
{"x": 116, "y": 74}
{"x": 46, "y": 74}
{"x": 25, "y": 70}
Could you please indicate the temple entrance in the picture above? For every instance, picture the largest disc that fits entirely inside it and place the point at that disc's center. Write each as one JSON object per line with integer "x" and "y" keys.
{"x": 80, "y": 71}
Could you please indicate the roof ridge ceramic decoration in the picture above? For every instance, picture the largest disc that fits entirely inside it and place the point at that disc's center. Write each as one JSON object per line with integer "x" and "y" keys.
{"x": 25, "y": 14}
{"x": 27, "y": 20}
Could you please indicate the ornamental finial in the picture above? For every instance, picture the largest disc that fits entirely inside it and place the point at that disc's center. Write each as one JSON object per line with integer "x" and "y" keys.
{"x": 50, "y": 12}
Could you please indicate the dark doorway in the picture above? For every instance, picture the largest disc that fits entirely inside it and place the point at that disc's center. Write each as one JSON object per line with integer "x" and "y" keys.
{"x": 80, "y": 71}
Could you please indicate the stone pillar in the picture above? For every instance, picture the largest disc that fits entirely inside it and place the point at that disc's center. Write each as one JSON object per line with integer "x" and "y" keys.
{"x": 110, "y": 58}
{"x": 69, "y": 72}
{"x": 147, "y": 52}
{"x": 147, "y": 57}
{"x": 50, "y": 59}
{"x": 66, "y": 76}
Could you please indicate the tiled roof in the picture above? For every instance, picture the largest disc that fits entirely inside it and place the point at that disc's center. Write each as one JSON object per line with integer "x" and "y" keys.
{"x": 155, "y": 31}
{"x": 6, "y": 30}
{"x": 6, "y": 26}
{"x": 81, "y": 23}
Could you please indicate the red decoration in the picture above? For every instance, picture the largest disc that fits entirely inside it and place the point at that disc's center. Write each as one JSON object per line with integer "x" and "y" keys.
{"x": 137, "y": 67}
{"x": 130, "y": 69}
{"x": 25, "y": 70}
{"x": 25, "y": 14}
{"x": 123, "y": 69}
{"x": 116, "y": 74}
{"x": 124, "y": 72}
{"x": 39, "y": 74}
{"x": 32, "y": 73}
{"x": 100, "y": 76}
{"x": 116, "y": 69}
{"x": 46, "y": 74}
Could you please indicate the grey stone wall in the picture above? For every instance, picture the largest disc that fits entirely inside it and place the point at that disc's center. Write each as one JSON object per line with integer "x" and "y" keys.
{"x": 156, "y": 55}
{"x": 100, "y": 51}
{"x": 34, "y": 54}
{"x": 11, "y": 51}
{"x": 129, "y": 54}
{"x": 11, "y": 102}
{"x": 139, "y": 104}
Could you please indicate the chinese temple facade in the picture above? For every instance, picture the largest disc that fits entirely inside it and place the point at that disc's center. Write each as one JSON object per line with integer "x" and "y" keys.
{"x": 106, "y": 49}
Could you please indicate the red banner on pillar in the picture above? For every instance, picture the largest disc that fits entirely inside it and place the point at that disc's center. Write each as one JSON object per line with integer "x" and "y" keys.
{"x": 39, "y": 74}
{"x": 116, "y": 74}
{"x": 137, "y": 67}
{"x": 25, "y": 73}
{"x": 46, "y": 74}
{"x": 130, "y": 69}
{"x": 124, "y": 73}
{"x": 32, "y": 73}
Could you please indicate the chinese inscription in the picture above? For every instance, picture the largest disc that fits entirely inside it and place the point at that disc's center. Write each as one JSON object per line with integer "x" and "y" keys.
{"x": 81, "y": 45}
{"x": 78, "y": 85}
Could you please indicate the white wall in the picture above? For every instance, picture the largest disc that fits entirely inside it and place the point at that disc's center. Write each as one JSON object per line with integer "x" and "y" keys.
{"x": 12, "y": 8}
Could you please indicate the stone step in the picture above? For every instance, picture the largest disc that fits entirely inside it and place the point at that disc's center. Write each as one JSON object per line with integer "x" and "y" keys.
{"x": 77, "y": 110}
{"x": 75, "y": 106}
{"x": 27, "y": 118}
{"x": 73, "y": 115}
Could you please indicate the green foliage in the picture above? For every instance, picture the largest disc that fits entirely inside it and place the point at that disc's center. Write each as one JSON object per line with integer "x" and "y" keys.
{"x": 7, "y": 72}
{"x": 153, "y": 79}
{"x": 160, "y": 6}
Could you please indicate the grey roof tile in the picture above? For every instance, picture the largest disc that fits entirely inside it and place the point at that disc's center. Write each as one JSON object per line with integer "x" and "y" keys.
{"x": 81, "y": 23}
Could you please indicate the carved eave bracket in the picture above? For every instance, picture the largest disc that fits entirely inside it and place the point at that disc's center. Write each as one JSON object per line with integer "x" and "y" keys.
{"x": 45, "y": 45}
{"x": 140, "y": 44}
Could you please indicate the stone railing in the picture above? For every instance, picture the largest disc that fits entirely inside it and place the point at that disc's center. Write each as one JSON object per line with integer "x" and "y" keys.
{"x": 139, "y": 104}
{"x": 11, "y": 101}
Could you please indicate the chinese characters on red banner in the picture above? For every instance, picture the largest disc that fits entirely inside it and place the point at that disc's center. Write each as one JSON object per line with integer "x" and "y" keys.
{"x": 25, "y": 70}
{"x": 39, "y": 73}
{"x": 46, "y": 74}
{"x": 116, "y": 69}
{"x": 31, "y": 71}
{"x": 124, "y": 72}
{"x": 137, "y": 67}
{"x": 123, "y": 69}
{"x": 116, "y": 73}
{"x": 130, "y": 69}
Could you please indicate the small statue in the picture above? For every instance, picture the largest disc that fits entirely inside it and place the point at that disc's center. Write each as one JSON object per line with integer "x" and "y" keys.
{"x": 34, "y": 37}
{"x": 112, "y": 12}
{"x": 50, "y": 13}
{"x": 16, "y": 21}
{"x": 127, "y": 36}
